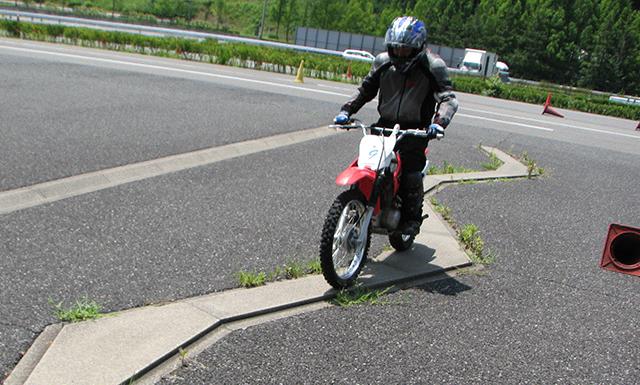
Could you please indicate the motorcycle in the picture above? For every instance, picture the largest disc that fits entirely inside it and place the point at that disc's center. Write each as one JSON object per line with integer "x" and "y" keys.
{"x": 370, "y": 205}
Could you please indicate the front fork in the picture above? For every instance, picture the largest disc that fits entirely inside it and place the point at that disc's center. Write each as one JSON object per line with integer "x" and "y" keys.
{"x": 368, "y": 215}
{"x": 364, "y": 227}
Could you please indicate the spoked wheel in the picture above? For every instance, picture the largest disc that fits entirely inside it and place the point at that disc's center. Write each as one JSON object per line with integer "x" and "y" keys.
{"x": 401, "y": 242}
{"x": 342, "y": 251}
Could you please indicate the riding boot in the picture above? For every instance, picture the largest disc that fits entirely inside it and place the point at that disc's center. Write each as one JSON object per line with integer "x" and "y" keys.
{"x": 412, "y": 195}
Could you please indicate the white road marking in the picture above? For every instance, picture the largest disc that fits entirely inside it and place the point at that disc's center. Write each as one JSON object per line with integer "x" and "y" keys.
{"x": 551, "y": 123}
{"x": 335, "y": 88}
{"x": 505, "y": 122}
{"x": 208, "y": 74}
{"x": 157, "y": 67}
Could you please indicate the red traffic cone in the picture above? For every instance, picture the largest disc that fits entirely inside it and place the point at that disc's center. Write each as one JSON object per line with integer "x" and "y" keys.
{"x": 548, "y": 109}
{"x": 349, "y": 75}
{"x": 622, "y": 250}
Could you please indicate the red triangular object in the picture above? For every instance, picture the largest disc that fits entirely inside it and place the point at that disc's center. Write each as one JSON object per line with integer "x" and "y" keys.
{"x": 622, "y": 250}
{"x": 548, "y": 109}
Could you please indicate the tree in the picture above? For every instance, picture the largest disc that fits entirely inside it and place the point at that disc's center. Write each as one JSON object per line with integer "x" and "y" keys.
{"x": 323, "y": 13}
{"x": 290, "y": 17}
{"x": 612, "y": 61}
{"x": 358, "y": 17}
{"x": 219, "y": 10}
{"x": 277, "y": 12}
{"x": 387, "y": 15}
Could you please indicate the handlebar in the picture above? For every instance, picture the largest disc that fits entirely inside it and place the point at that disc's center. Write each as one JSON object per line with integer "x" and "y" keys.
{"x": 355, "y": 123}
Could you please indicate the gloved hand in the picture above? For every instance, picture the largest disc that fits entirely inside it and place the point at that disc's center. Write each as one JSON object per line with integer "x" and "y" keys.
{"x": 435, "y": 131}
{"x": 342, "y": 118}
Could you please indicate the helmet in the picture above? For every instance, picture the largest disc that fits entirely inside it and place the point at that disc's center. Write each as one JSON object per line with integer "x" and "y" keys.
{"x": 406, "y": 31}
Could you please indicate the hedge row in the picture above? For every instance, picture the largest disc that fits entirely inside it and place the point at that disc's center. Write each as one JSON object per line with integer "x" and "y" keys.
{"x": 221, "y": 53}
{"x": 572, "y": 100}
{"x": 320, "y": 66}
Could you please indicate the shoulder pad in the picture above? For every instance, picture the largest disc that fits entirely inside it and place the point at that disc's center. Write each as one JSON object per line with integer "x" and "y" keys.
{"x": 432, "y": 62}
{"x": 437, "y": 67}
{"x": 380, "y": 60}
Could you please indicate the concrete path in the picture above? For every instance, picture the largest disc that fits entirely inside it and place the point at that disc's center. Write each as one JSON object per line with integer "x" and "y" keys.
{"x": 119, "y": 347}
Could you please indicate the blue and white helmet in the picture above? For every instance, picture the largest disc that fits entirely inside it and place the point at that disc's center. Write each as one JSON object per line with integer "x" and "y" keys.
{"x": 406, "y": 31}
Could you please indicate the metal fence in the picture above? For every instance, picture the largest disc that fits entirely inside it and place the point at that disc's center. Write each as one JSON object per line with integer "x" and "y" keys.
{"x": 339, "y": 41}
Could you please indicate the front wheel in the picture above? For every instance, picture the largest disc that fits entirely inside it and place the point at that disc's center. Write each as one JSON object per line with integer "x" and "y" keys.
{"x": 343, "y": 251}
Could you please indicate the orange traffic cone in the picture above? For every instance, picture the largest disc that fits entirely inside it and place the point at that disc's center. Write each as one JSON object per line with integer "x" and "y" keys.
{"x": 349, "y": 74}
{"x": 300, "y": 75}
{"x": 548, "y": 109}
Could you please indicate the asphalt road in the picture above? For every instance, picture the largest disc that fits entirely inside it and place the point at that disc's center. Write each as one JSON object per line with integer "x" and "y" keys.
{"x": 543, "y": 313}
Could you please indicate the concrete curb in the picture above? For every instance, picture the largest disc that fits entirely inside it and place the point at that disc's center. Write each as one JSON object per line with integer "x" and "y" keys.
{"x": 511, "y": 168}
{"x": 124, "y": 346}
{"x": 31, "y": 358}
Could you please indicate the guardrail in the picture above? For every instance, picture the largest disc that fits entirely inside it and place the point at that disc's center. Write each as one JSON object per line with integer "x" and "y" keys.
{"x": 42, "y": 18}
{"x": 625, "y": 100}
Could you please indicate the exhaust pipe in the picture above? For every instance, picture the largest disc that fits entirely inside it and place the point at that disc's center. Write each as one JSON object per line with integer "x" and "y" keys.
{"x": 622, "y": 250}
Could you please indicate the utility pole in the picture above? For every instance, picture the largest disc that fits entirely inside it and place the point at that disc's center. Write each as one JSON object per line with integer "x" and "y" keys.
{"x": 264, "y": 11}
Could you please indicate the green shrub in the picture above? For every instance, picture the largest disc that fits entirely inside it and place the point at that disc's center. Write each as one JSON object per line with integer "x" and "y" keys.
{"x": 580, "y": 100}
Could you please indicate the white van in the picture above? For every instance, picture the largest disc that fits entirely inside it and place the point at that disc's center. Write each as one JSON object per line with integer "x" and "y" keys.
{"x": 473, "y": 60}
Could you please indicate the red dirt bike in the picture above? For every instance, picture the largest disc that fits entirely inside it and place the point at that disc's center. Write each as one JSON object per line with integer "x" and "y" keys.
{"x": 370, "y": 205}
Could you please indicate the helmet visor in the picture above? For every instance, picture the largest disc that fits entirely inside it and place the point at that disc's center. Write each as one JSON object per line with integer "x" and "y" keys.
{"x": 402, "y": 52}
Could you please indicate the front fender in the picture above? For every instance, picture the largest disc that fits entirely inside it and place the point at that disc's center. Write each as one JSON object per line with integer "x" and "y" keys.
{"x": 353, "y": 175}
{"x": 362, "y": 177}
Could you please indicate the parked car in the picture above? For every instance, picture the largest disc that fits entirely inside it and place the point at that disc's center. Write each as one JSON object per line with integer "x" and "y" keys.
{"x": 354, "y": 54}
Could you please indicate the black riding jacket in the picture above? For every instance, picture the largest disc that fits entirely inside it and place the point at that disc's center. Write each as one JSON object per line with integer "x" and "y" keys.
{"x": 408, "y": 96}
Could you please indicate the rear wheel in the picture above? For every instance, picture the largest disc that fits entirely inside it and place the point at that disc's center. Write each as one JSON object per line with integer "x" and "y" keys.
{"x": 342, "y": 250}
{"x": 401, "y": 242}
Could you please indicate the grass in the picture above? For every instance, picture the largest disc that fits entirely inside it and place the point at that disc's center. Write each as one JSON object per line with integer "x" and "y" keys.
{"x": 291, "y": 270}
{"x": 532, "y": 166}
{"x": 294, "y": 269}
{"x": 251, "y": 279}
{"x": 469, "y": 235}
{"x": 183, "y": 357}
{"x": 314, "y": 267}
{"x": 358, "y": 296}
{"x": 447, "y": 168}
{"x": 470, "y": 238}
{"x": 493, "y": 164}
{"x": 502, "y": 180}
{"x": 83, "y": 309}
{"x": 442, "y": 210}
{"x": 470, "y": 271}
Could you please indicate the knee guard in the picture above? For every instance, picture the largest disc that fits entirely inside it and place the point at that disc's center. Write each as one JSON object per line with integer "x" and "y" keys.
{"x": 412, "y": 194}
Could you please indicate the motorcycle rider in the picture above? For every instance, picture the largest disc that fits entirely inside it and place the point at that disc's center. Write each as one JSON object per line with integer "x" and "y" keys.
{"x": 411, "y": 83}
